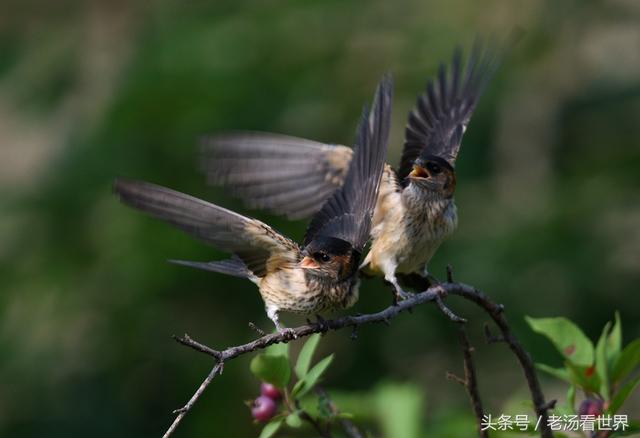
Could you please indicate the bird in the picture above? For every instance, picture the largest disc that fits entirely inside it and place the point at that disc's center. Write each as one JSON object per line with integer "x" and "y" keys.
{"x": 320, "y": 275}
{"x": 415, "y": 210}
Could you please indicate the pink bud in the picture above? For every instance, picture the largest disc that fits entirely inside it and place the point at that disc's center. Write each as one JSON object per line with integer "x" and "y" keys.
{"x": 270, "y": 391}
{"x": 263, "y": 408}
{"x": 591, "y": 406}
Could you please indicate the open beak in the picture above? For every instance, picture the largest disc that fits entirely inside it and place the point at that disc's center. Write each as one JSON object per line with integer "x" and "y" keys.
{"x": 309, "y": 263}
{"x": 419, "y": 172}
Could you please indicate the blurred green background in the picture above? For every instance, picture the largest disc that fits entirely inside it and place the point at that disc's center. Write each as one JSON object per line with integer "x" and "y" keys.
{"x": 548, "y": 197}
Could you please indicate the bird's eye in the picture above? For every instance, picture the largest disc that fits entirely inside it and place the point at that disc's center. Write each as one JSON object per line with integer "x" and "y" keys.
{"x": 434, "y": 167}
{"x": 322, "y": 257}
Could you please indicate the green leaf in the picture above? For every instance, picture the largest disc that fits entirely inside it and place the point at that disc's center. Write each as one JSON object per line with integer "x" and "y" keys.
{"x": 562, "y": 410}
{"x": 317, "y": 371}
{"x": 345, "y": 415}
{"x": 601, "y": 362}
{"x": 560, "y": 373}
{"x": 622, "y": 395}
{"x": 279, "y": 349}
{"x": 297, "y": 388}
{"x": 614, "y": 342}
{"x": 567, "y": 408}
{"x": 304, "y": 358}
{"x": 627, "y": 361}
{"x": 567, "y": 337}
{"x": 584, "y": 377}
{"x": 294, "y": 421}
{"x": 271, "y": 369}
{"x": 400, "y": 410}
{"x": 271, "y": 428}
{"x": 571, "y": 399}
{"x": 311, "y": 378}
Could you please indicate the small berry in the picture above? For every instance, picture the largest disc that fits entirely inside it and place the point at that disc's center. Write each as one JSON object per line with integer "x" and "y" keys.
{"x": 263, "y": 408}
{"x": 591, "y": 406}
{"x": 271, "y": 391}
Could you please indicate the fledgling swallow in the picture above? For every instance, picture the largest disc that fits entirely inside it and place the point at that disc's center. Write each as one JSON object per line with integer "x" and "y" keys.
{"x": 317, "y": 276}
{"x": 415, "y": 209}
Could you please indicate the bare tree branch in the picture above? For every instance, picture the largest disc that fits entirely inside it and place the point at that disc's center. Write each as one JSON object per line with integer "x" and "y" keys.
{"x": 324, "y": 433}
{"x": 433, "y": 294}
{"x": 350, "y": 429}
{"x": 217, "y": 369}
{"x": 470, "y": 380}
{"x": 496, "y": 312}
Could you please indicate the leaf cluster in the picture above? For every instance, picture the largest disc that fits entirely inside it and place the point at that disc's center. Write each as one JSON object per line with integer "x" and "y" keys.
{"x": 605, "y": 371}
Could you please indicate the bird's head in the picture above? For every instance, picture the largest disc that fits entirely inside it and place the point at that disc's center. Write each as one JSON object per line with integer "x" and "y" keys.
{"x": 435, "y": 174}
{"x": 330, "y": 257}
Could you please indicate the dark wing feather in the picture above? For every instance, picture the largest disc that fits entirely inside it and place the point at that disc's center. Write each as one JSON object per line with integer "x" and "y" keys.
{"x": 287, "y": 175}
{"x": 254, "y": 242}
{"x": 233, "y": 266}
{"x": 347, "y": 214}
{"x": 437, "y": 123}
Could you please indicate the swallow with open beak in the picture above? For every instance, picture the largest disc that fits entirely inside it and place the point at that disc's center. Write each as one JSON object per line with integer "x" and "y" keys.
{"x": 415, "y": 209}
{"x": 317, "y": 276}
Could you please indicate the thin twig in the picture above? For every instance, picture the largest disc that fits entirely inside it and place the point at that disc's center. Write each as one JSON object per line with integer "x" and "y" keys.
{"x": 350, "y": 429}
{"x": 444, "y": 309}
{"x": 186, "y": 340}
{"x": 304, "y": 415}
{"x": 490, "y": 337}
{"x": 257, "y": 329}
{"x": 217, "y": 369}
{"x": 324, "y": 433}
{"x": 455, "y": 378}
{"x": 471, "y": 380}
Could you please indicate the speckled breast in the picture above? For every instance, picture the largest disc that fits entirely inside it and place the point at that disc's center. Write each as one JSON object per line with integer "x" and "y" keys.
{"x": 293, "y": 291}
{"x": 426, "y": 228}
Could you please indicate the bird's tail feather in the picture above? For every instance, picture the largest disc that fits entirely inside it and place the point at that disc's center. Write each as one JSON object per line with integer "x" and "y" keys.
{"x": 233, "y": 266}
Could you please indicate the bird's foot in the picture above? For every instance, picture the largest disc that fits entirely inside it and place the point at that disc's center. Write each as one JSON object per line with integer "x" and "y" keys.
{"x": 441, "y": 291}
{"x": 322, "y": 323}
{"x": 401, "y": 295}
{"x": 287, "y": 333}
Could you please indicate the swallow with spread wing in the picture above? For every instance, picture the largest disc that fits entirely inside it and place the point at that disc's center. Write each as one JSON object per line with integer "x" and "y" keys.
{"x": 322, "y": 274}
{"x": 415, "y": 209}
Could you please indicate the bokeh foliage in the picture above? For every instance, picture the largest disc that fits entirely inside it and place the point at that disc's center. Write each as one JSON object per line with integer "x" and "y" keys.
{"x": 547, "y": 191}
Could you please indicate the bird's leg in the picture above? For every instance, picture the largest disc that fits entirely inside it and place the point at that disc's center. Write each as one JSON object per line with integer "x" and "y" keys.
{"x": 400, "y": 294}
{"x": 388, "y": 268}
{"x": 272, "y": 313}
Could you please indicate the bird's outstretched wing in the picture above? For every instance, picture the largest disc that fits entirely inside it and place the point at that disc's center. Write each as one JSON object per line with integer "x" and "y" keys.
{"x": 286, "y": 175}
{"x": 437, "y": 123}
{"x": 259, "y": 246}
{"x": 347, "y": 214}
